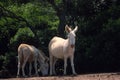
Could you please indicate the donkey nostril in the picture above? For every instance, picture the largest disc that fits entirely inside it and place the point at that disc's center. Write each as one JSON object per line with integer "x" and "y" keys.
{"x": 72, "y": 46}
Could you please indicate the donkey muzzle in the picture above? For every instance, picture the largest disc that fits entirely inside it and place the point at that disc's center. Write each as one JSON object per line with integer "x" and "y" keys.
{"x": 72, "y": 46}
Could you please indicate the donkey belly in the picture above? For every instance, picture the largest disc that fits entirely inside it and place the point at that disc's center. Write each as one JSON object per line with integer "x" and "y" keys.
{"x": 31, "y": 58}
{"x": 57, "y": 51}
{"x": 58, "y": 54}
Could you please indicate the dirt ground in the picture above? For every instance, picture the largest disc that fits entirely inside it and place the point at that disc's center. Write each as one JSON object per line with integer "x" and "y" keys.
{"x": 99, "y": 76}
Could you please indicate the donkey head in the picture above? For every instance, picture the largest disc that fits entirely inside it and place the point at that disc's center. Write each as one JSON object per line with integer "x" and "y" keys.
{"x": 44, "y": 66}
{"x": 71, "y": 35}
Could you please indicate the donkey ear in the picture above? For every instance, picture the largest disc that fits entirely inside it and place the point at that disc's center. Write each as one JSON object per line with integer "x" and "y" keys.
{"x": 67, "y": 28}
{"x": 76, "y": 28}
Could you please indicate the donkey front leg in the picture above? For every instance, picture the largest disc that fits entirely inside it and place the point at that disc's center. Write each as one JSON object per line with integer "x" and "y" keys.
{"x": 72, "y": 65}
{"x": 35, "y": 66}
{"x": 30, "y": 67}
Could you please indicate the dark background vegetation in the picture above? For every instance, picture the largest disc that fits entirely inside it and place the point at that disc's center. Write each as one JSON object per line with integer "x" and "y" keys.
{"x": 37, "y": 21}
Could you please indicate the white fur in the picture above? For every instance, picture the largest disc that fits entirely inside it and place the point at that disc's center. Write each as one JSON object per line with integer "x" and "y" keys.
{"x": 60, "y": 48}
{"x": 29, "y": 53}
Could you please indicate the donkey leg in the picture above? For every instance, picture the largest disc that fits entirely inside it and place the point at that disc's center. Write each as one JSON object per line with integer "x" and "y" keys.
{"x": 35, "y": 66}
{"x": 51, "y": 64}
{"x": 18, "y": 72}
{"x": 72, "y": 65}
{"x": 54, "y": 61}
{"x": 30, "y": 67}
{"x": 23, "y": 66}
{"x": 65, "y": 65}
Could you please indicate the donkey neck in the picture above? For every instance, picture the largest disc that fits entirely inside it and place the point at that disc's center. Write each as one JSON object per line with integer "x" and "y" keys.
{"x": 41, "y": 56}
{"x": 69, "y": 44}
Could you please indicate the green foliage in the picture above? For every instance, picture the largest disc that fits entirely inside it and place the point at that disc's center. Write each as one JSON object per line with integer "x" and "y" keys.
{"x": 6, "y": 60}
{"x": 22, "y": 35}
{"x": 98, "y": 44}
{"x": 3, "y": 61}
{"x": 40, "y": 17}
{"x": 36, "y": 13}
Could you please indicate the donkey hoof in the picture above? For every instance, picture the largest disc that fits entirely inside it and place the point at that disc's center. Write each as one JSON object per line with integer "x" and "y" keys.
{"x": 17, "y": 76}
{"x": 24, "y": 76}
{"x": 36, "y": 75}
{"x": 74, "y": 74}
{"x": 64, "y": 74}
{"x": 51, "y": 74}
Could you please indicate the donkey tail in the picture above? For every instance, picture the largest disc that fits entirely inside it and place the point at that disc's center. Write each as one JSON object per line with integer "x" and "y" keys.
{"x": 20, "y": 56}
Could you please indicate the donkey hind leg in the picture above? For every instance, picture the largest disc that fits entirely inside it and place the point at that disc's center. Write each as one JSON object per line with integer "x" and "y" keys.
{"x": 72, "y": 65}
{"x": 18, "y": 72}
{"x": 54, "y": 61}
{"x": 65, "y": 65}
{"x": 23, "y": 66}
{"x": 51, "y": 65}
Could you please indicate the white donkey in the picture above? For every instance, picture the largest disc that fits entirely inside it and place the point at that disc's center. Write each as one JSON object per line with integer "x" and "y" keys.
{"x": 29, "y": 53}
{"x": 60, "y": 48}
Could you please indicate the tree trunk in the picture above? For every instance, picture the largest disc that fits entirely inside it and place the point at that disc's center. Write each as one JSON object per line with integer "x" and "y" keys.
{"x": 60, "y": 10}
{"x": 61, "y": 27}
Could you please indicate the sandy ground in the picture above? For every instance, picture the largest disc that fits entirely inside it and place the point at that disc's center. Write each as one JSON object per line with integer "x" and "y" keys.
{"x": 100, "y": 76}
